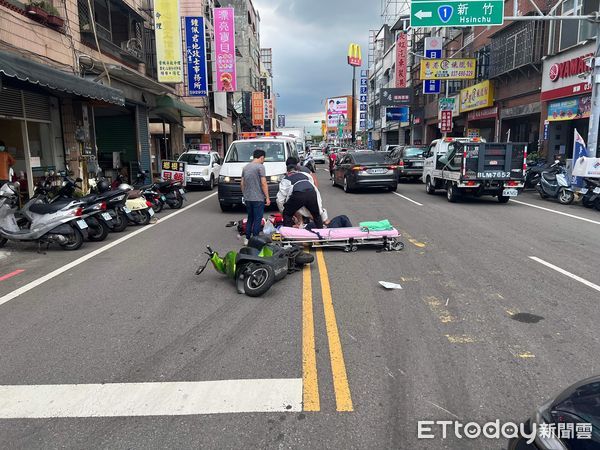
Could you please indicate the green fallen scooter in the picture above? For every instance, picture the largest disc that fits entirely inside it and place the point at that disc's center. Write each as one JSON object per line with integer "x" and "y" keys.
{"x": 256, "y": 267}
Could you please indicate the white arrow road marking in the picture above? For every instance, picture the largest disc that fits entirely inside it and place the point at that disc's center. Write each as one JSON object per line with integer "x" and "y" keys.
{"x": 151, "y": 399}
{"x": 422, "y": 14}
{"x": 564, "y": 272}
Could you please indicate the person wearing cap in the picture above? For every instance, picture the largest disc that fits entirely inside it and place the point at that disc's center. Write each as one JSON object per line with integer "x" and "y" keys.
{"x": 297, "y": 191}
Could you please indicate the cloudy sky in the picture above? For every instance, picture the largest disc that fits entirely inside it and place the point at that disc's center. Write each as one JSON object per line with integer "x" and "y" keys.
{"x": 310, "y": 42}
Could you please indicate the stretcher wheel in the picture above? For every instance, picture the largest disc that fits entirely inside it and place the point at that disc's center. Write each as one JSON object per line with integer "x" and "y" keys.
{"x": 347, "y": 249}
{"x": 397, "y": 246}
{"x": 354, "y": 248}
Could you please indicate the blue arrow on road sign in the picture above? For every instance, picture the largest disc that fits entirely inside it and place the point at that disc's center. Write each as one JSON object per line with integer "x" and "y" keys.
{"x": 445, "y": 13}
{"x": 432, "y": 86}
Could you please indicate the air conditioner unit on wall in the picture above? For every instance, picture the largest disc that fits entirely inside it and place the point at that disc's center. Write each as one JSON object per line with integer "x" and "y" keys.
{"x": 133, "y": 47}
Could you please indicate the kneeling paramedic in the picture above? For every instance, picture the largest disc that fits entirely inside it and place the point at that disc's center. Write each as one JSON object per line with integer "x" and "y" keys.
{"x": 296, "y": 191}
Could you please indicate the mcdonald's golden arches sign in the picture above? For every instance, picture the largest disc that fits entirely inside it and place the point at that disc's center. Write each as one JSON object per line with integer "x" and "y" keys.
{"x": 354, "y": 55}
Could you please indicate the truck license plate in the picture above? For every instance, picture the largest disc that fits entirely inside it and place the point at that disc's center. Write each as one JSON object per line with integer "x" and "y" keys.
{"x": 510, "y": 193}
{"x": 81, "y": 224}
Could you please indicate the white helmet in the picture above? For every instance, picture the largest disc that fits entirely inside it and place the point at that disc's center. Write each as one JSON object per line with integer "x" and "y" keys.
{"x": 125, "y": 187}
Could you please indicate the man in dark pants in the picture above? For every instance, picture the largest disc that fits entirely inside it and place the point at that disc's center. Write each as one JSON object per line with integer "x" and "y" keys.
{"x": 256, "y": 193}
{"x": 297, "y": 191}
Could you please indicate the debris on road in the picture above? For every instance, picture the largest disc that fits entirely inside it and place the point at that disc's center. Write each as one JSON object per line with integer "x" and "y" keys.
{"x": 388, "y": 285}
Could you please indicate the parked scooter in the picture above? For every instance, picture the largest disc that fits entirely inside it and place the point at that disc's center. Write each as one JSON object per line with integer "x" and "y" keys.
{"x": 60, "y": 222}
{"x": 591, "y": 193}
{"x": 555, "y": 183}
{"x": 95, "y": 213}
{"x": 150, "y": 192}
{"x": 173, "y": 192}
{"x": 534, "y": 172}
{"x": 139, "y": 210}
{"x": 115, "y": 202}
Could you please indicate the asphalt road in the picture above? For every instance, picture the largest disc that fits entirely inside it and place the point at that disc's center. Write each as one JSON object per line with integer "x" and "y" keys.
{"x": 479, "y": 332}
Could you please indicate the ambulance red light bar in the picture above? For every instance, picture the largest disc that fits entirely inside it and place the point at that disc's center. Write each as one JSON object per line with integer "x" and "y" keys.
{"x": 257, "y": 134}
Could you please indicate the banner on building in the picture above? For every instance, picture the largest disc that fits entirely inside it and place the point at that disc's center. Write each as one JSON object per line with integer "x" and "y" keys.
{"x": 337, "y": 111}
{"x": 195, "y": 54}
{"x": 446, "y": 122}
{"x": 401, "y": 59}
{"x": 364, "y": 99}
{"x": 258, "y": 109}
{"x": 447, "y": 69}
{"x": 480, "y": 95}
{"x": 268, "y": 109}
{"x": 224, "y": 24}
{"x": 570, "y": 109}
{"x": 281, "y": 121}
{"x": 398, "y": 114}
{"x": 167, "y": 33}
{"x": 396, "y": 96}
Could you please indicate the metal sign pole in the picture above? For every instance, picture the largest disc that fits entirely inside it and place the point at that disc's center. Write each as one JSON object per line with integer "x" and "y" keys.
{"x": 592, "y": 142}
{"x": 353, "y": 104}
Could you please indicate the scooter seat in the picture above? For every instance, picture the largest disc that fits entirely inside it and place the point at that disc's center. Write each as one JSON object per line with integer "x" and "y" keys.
{"x": 549, "y": 176}
{"x": 136, "y": 193}
{"x": 48, "y": 208}
{"x": 249, "y": 251}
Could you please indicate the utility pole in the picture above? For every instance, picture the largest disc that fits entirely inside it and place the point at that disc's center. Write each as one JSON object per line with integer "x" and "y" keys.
{"x": 353, "y": 104}
{"x": 592, "y": 143}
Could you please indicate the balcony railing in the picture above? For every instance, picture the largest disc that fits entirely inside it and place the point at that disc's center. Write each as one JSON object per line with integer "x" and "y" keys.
{"x": 517, "y": 46}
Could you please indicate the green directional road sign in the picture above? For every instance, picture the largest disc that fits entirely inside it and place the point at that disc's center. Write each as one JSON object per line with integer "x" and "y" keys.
{"x": 455, "y": 13}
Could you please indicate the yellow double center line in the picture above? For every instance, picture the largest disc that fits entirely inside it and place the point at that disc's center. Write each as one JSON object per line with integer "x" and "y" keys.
{"x": 341, "y": 388}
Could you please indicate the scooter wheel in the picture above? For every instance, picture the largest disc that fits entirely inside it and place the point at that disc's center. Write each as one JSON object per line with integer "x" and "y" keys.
{"x": 3, "y": 242}
{"x": 120, "y": 222}
{"x": 255, "y": 279}
{"x": 178, "y": 204}
{"x": 75, "y": 241}
{"x": 566, "y": 197}
{"x": 98, "y": 233}
{"x": 158, "y": 206}
{"x": 145, "y": 217}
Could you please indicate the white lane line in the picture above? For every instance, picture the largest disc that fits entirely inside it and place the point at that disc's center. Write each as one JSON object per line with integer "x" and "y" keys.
{"x": 564, "y": 272}
{"x": 35, "y": 283}
{"x": 406, "y": 198}
{"x": 556, "y": 212}
{"x": 150, "y": 399}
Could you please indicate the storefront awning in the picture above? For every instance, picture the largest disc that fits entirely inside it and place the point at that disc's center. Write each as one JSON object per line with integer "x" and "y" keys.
{"x": 166, "y": 102}
{"x": 14, "y": 66}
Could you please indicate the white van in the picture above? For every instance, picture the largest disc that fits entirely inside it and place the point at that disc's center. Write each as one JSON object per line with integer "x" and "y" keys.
{"x": 277, "y": 150}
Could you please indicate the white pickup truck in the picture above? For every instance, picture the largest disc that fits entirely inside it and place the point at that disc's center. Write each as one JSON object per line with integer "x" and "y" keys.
{"x": 467, "y": 166}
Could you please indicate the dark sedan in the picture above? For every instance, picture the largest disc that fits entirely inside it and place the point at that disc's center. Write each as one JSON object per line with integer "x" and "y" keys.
{"x": 573, "y": 417}
{"x": 409, "y": 160}
{"x": 365, "y": 169}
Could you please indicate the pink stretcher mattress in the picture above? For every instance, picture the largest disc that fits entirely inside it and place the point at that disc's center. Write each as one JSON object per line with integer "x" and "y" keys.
{"x": 334, "y": 233}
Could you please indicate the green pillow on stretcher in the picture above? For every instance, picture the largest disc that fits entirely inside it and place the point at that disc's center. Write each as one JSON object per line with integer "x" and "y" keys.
{"x": 382, "y": 225}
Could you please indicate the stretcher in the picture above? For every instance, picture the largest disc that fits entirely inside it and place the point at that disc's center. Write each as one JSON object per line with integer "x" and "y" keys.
{"x": 348, "y": 239}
